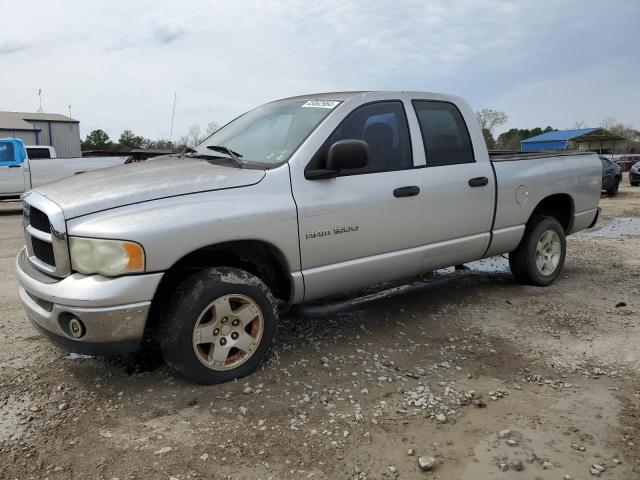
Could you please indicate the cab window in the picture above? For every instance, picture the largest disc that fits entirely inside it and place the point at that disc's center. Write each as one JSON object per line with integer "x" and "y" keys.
{"x": 6, "y": 152}
{"x": 38, "y": 153}
{"x": 383, "y": 125}
{"x": 444, "y": 133}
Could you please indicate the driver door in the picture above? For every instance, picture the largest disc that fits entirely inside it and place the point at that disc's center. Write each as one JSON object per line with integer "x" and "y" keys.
{"x": 359, "y": 227}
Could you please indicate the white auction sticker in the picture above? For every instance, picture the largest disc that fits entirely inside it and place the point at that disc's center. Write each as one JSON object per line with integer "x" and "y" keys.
{"x": 320, "y": 104}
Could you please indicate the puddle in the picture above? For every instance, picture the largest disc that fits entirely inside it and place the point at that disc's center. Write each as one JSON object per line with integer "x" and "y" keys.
{"x": 618, "y": 227}
{"x": 77, "y": 356}
{"x": 12, "y": 417}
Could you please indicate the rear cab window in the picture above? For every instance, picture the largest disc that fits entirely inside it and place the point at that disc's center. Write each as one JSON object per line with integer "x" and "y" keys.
{"x": 38, "y": 153}
{"x": 444, "y": 133}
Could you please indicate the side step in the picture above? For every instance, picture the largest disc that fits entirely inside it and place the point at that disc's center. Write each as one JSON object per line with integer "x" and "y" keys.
{"x": 335, "y": 307}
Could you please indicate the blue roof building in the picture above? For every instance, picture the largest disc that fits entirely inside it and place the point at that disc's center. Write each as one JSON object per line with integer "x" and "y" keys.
{"x": 597, "y": 139}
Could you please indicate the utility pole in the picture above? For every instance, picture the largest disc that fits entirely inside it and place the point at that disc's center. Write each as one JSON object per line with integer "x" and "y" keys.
{"x": 40, "y": 97}
{"x": 173, "y": 114}
{"x": 69, "y": 112}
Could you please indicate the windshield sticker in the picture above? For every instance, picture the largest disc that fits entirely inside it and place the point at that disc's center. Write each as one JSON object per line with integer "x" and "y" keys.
{"x": 320, "y": 104}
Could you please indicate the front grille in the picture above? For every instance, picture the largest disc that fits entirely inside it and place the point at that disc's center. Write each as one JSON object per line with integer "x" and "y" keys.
{"x": 46, "y": 235}
{"x": 39, "y": 220}
{"x": 43, "y": 251}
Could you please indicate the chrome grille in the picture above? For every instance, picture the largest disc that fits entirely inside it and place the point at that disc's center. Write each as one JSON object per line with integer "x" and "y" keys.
{"x": 43, "y": 251}
{"x": 39, "y": 220}
{"x": 46, "y": 235}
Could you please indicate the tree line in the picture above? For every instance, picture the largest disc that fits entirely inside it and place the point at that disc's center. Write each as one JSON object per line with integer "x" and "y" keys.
{"x": 99, "y": 140}
{"x": 489, "y": 120}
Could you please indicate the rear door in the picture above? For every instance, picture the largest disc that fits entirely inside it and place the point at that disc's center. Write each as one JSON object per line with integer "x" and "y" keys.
{"x": 360, "y": 228}
{"x": 458, "y": 189}
{"x": 12, "y": 180}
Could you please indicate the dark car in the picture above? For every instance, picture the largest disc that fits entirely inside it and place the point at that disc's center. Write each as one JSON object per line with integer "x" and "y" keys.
{"x": 634, "y": 175}
{"x": 611, "y": 176}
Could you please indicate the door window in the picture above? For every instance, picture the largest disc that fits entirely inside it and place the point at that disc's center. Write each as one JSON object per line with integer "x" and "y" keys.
{"x": 444, "y": 133}
{"x": 6, "y": 153}
{"x": 383, "y": 125}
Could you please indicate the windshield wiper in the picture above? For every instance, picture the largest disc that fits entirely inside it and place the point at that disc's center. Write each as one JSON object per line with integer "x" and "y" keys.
{"x": 235, "y": 156}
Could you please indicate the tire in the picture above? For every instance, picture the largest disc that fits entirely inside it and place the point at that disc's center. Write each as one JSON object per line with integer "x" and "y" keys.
{"x": 227, "y": 306}
{"x": 613, "y": 189}
{"x": 634, "y": 184}
{"x": 522, "y": 260}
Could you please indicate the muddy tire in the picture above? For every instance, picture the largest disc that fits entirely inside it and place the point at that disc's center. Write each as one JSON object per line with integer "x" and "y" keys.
{"x": 219, "y": 326}
{"x": 540, "y": 255}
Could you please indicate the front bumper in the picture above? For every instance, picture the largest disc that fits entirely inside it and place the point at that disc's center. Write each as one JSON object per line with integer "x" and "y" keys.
{"x": 113, "y": 311}
{"x": 634, "y": 176}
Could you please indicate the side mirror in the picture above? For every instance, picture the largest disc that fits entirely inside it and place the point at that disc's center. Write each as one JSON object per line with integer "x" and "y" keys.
{"x": 342, "y": 155}
{"x": 347, "y": 154}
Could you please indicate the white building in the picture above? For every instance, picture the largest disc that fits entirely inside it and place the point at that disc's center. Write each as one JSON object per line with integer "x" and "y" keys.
{"x": 57, "y": 131}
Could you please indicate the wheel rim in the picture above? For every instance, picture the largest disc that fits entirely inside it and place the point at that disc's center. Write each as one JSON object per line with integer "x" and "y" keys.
{"x": 548, "y": 252}
{"x": 228, "y": 332}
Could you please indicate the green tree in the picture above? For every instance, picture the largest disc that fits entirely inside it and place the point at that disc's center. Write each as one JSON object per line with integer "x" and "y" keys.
{"x": 129, "y": 140}
{"x": 510, "y": 140}
{"x": 489, "y": 120}
{"x": 488, "y": 139}
{"x": 97, "y": 140}
{"x": 160, "y": 143}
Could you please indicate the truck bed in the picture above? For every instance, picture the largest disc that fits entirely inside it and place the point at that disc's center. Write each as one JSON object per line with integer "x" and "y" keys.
{"x": 521, "y": 185}
{"x": 511, "y": 155}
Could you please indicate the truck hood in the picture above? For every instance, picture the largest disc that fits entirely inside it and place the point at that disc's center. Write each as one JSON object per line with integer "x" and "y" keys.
{"x": 160, "y": 177}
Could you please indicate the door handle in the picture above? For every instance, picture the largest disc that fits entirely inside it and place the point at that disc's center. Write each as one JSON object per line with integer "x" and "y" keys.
{"x": 406, "y": 191}
{"x": 478, "y": 182}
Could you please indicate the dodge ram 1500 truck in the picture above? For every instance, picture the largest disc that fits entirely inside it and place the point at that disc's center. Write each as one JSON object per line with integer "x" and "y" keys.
{"x": 22, "y": 168}
{"x": 293, "y": 201}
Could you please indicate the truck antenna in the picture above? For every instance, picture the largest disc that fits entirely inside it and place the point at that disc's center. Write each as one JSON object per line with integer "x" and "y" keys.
{"x": 173, "y": 114}
{"x": 40, "y": 98}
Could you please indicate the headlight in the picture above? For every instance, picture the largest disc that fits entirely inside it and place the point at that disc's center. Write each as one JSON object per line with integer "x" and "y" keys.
{"x": 106, "y": 257}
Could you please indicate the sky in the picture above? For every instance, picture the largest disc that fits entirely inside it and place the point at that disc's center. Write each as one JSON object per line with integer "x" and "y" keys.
{"x": 119, "y": 63}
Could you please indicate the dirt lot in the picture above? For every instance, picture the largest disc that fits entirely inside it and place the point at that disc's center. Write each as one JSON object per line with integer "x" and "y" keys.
{"x": 477, "y": 373}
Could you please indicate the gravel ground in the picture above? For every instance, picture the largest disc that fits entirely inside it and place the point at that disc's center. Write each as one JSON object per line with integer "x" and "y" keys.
{"x": 477, "y": 378}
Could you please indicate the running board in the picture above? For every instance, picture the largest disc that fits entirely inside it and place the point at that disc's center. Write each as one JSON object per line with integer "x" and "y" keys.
{"x": 335, "y": 307}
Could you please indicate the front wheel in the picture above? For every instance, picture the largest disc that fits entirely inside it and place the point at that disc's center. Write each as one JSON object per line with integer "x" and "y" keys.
{"x": 541, "y": 252}
{"x": 219, "y": 326}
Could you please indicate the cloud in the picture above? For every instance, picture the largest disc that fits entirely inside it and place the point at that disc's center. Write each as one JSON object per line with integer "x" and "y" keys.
{"x": 166, "y": 31}
{"x": 11, "y": 46}
{"x": 120, "y": 71}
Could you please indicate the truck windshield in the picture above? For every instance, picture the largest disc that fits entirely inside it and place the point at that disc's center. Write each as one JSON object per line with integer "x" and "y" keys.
{"x": 268, "y": 135}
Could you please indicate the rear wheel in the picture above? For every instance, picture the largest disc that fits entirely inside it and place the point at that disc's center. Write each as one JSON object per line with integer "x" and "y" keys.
{"x": 220, "y": 325}
{"x": 541, "y": 252}
{"x": 612, "y": 190}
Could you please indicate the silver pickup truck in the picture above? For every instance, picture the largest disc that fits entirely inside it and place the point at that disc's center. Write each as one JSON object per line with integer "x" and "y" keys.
{"x": 293, "y": 201}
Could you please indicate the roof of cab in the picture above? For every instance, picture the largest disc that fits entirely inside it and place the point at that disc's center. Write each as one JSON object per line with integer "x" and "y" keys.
{"x": 348, "y": 94}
